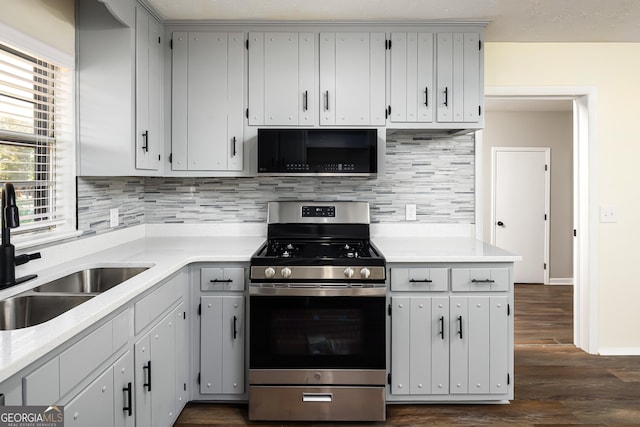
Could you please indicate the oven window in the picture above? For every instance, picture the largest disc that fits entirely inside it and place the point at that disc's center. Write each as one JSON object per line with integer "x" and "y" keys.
{"x": 317, "y": 332}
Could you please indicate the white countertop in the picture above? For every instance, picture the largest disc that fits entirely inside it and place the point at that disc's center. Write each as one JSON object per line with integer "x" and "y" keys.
{"x": 441, "y": 249}
{"x": 166, "y": 255}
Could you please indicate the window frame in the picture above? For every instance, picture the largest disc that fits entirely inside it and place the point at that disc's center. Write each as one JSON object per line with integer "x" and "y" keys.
{"x": 27, "y": 46}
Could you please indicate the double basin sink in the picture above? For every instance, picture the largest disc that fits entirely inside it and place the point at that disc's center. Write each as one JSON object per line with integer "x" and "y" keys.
{"x": 54, "y": 298}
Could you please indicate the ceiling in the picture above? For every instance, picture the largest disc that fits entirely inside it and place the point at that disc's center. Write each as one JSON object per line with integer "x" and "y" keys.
{"x": 510, "y": 20}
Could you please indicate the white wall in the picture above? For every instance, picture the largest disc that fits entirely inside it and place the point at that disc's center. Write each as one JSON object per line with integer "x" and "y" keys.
{"x": 612, "y": 69}
{"x": 538, "y": 129}
{"x": 50, "y": 21}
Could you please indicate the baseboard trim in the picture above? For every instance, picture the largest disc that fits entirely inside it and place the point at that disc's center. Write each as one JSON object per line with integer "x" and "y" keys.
{"x": 561, "y": 281}
{"x": 619, "y": 351}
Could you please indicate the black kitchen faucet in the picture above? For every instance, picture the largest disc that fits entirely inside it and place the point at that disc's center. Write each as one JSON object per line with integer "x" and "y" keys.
{"x": 8, "y": 258}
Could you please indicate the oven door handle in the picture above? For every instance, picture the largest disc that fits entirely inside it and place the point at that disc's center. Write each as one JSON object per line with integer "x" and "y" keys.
{"x": 316, "y": 291}
{"x": 317, "y": 397}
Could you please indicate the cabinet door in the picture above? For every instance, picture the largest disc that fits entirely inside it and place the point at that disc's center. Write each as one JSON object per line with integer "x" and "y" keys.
{"x": 155, "y": 375}
{"x": 94, "y": 406}
{"x": 352, "y": 78}
{"x": 412, "y": 65}
{"x": 123, "y": 389}
{"x": 281, "y": 78}
{"x": 459, "y": 347}
{"x": 207, "y": 97}
{"x": 458, "y": 77}
{"x": 222, "y": 345}
{"x": 148, "y": 140}
{"x": 419, "y": 345}
{"x": 182, "y": 357}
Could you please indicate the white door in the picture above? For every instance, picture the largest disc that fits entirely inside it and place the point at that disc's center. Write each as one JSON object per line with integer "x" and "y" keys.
{"x": 520, "y": 215}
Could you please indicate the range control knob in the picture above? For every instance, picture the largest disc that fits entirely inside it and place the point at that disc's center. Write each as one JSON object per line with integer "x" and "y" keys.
{"x": 365, "y": 272}
{"x": 286, "y": 272}
{"x": 269, "y": 272}
{"x": 348, "y": 272}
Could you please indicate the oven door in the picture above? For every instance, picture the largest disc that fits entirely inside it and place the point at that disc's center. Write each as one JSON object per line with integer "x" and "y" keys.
{"x": 315, "y": 330}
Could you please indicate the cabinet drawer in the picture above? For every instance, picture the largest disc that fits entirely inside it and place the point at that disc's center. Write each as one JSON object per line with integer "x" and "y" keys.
{"x": 85, "y": 356}
{"x": 222, "y": 279}
{"x": 419, "y": 279}
{"x": 480, "y": 279}
{"x": 156, "y": 303}
{"x": 42, "y": 386}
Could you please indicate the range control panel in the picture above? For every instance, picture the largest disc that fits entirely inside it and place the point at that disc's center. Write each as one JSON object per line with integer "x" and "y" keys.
{"x": 318, "y": 211}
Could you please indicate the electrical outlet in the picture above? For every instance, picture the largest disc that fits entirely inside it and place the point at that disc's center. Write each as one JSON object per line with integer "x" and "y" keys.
{"x": 410, "y": 212}
{"x": 608, "y": 213}
{"x": 113, "y": 217}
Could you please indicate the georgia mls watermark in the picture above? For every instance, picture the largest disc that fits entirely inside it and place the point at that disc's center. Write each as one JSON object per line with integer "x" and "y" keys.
{"x": 31, "y": 416}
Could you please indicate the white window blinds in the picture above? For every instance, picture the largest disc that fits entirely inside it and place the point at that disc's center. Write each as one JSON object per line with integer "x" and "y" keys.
{"x": 35, "y": 128}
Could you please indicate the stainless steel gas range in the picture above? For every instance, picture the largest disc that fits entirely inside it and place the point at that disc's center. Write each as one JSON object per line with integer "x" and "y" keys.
{"x": 317, "y": 316}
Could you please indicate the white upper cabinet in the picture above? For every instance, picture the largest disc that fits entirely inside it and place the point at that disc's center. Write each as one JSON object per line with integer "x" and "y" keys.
{"x": 459, "y": 85}
{"x": 149, "y": 138}
{"x": 352, "y": 79}
{"x": 207, "y": 101}
{"x": 281, "y": 79}
{"x": 411, "y": 80}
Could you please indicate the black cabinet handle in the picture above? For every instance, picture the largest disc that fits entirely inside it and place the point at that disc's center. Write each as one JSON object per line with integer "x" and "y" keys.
{"x": 326, "y": 101}
{"x": 235, "y": 327}
{"x": 148, "y": 369}
{"x": 426, "y": 96}
{"x": 482, "y": 281}
{"x": 446, "y": 96}
{"x": 129, "y": 406}
{"x": 420, "y": 281}
{"x": 500, "y": 224}
{"x": 145, "y": 138}
{"x": 234, "y": 146}
{"x": 442, "y": 327}
{"x": 305, "y": 103}
{"x": 220, "y": 281}
{"x": 460, "y": 326}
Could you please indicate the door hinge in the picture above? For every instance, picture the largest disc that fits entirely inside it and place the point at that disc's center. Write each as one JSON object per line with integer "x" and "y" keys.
{"x": 171, "y": 44}
{"x": 246, "y": 43}
{"x": 184, "y": 386}
{"x": 508, "y": 379}
{"x": 389, "y": 378}
{"x": 575, "y": 232}
{"x": 170, "y": 157}
{"x": 479, "y": 44}
{"x": 546, "y": 167}
{"x": 479, "y": 110}
{"x": 545, "y": 217}
{"x": 389, "y": 310}
{"x": 199, "y": 309}
{"x": 198, "y": 377}
{"x": 246, "y": 113}
{"x": 545, "y": 265}
{"x": 508, "y": 309}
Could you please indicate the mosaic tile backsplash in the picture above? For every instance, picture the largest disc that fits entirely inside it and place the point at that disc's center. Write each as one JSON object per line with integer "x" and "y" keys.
{"x": 435, "y": 174}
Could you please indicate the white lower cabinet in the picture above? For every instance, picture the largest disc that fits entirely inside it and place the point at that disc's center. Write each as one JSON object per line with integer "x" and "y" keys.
{"x": 447, "y": 346}
{"x": 94, "y": 406}
{"x": 222, "y": 344}
{"x": 123, "y": 391}
{"x": 155, "y": 373}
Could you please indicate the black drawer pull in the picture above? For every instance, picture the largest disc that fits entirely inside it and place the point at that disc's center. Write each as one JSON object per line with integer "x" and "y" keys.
{"x": 460, "y": 326}
{"x": 482, "y": 281}
{"x": 220, "y": 281}
{"x": 420, "y": 281}
{"x": 442, "y": 327}
{"x": 129, "y": 406}
{"x": 235, "y": 327}
{"x": 148, "y": 369}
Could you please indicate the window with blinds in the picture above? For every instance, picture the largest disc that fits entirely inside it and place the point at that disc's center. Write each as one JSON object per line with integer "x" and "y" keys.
{"x": 35, "y": 127}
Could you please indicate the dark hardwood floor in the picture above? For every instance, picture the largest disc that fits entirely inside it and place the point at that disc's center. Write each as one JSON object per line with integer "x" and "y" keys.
{"x": 555, "y": 383}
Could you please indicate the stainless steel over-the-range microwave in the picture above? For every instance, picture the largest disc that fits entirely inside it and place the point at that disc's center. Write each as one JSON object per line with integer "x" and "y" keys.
{"x": 318, "y": 151}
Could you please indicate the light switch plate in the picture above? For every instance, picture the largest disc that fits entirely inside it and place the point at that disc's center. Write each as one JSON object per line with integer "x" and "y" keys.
{"x": 113, "y": 217}
{"x": 608, "y": 213}
{"x": 410, "y": 212}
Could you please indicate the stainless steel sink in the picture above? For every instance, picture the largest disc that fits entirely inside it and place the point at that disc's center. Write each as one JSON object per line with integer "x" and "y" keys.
{"x": 93, "y": 280}
{"x": 27, "y": 309}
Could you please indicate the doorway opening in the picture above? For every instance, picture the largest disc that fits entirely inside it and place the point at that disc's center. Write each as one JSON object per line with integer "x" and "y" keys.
{"x": 584, "y": 226}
